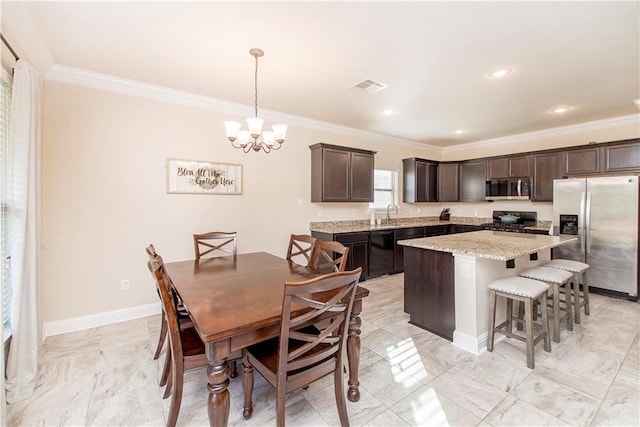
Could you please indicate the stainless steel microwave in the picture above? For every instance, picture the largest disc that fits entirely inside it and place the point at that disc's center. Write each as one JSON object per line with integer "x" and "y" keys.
{"x": 508, "y": 189}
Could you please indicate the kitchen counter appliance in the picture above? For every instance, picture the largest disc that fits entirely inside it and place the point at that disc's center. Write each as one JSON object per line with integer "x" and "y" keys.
{"x": 381, "y": 247}
{"x": 511, "y": 221}
{"x": 603, "y": 212}
{"x": 508, "y": 189}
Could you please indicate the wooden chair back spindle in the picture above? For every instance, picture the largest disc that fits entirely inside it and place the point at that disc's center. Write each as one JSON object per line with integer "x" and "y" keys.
{"x": 329, "y": 256}
{"x": 209, "y": 243}
{"x": 301, "y": 245}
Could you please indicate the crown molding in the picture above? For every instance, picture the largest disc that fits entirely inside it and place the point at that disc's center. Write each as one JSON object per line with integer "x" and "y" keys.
{"x": 24, "y": 36}
{"x": 106, "y": 82}
{"x": 508, "y": 141}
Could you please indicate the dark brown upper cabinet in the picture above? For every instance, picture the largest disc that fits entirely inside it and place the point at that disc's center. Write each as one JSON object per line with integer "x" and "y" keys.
{"x": 472, "y": 180}
{"x": 448, "y": 182}
{"x": 508, "y": 167}
{"x": 546, "y": 168}
{"x": 581, "y": 161}
{"x": 621, "y": 158}
{"x": 341, "y": 174}
{"x": 420, "y": 180}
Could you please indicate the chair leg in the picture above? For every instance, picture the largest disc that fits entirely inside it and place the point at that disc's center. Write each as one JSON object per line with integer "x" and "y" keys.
{"x": 163, "y": 336}
{"x": 169, "y": 387}
{"x": 576, "y": 296}
{"x": 247, "y": 386}
{"x": 166, "y": 371}
{"x": 569, "y": 305}
{"x": 338, "y": 383}
{"x": 509, "y": 324}
{"x": 280, "y": 407}
{"x": 492, "y": 319}
{"x": 585, "y": 292}
{"x": 176, "y": 398}
{"x": 528, "y": 324}
{"x": 556, "y": 312}
{"x": 545, "y": 322}
{"x": 520, "y": 315}
{"x": 233, "y": 366}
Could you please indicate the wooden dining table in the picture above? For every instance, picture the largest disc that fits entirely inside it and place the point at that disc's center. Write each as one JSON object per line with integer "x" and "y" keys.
{"x": 236, "y": 301}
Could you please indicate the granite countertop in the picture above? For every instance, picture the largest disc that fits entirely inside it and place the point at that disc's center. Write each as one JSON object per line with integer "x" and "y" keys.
{"x": 355, "y": 226}
{"x": 496, "y": 245}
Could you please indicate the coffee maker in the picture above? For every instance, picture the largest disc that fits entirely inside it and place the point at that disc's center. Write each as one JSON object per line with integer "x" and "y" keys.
{"x": 445, "y": 214}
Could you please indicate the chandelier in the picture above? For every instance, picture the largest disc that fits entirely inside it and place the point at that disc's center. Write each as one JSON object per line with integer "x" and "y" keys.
{"x": 249, "y": 140}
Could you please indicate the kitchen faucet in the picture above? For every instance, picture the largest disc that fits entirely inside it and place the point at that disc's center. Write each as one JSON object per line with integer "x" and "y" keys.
{"x": 388, "y": 216}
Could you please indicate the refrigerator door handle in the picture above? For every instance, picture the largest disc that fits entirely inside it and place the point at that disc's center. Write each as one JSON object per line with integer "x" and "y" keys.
{"x": 587, "y": 217}
{"x": 581, "y": 226}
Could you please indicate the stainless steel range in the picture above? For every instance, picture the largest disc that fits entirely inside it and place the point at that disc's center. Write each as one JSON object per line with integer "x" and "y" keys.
{"x": 511, "y": 221}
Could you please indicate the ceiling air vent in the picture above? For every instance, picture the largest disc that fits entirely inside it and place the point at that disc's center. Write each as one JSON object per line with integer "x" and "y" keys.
{"x": 369, "y": 85}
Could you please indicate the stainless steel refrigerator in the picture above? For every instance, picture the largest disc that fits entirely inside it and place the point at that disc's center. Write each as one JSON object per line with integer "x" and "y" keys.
{"x": 603, "y": 213}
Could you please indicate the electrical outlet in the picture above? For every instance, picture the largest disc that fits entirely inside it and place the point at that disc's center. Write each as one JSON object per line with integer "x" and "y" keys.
{"x": 124, "y": 284}
{"x": 465, "y": 270}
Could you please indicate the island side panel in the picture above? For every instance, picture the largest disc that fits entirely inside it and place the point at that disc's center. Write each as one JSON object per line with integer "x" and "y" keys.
{"x": 429, "y": 296}
{"x": 472, "y": 278}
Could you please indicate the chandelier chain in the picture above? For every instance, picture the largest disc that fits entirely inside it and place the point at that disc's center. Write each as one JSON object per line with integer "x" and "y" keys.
{"x": 255, "y": 103}
{"x": 254, "y": 138}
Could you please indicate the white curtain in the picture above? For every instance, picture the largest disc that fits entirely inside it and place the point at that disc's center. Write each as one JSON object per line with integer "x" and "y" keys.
{"x": 24, "y": 351}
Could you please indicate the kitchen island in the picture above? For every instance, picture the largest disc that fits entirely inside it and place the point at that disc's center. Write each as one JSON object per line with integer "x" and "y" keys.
{"x": 446, "y": 279}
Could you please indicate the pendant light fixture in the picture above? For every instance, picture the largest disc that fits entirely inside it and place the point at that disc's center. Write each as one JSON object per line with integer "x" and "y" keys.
{"x": 255, "y": 139}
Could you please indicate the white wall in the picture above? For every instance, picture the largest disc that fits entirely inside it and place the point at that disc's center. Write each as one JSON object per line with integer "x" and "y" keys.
{"x": 103, "y": 183}
{"x": 104, "y": 193}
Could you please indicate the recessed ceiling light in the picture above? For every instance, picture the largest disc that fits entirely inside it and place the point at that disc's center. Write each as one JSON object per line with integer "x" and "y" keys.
{"x": 560, "y": 110}
{"x": 458, "y": 131}
{"x": 500, "y": 72}
{"x": 386, "y": 112}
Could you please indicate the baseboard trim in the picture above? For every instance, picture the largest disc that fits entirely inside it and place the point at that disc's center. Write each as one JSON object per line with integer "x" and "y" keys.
{"x": 74, "y": 324}
{"x": 476, "y": 345}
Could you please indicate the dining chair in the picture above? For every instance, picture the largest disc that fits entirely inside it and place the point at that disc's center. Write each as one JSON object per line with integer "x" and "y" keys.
{"x": 151, "y": 252}
{"x": 186, "y": 348}
{"x": 329, "y": 256}
{"x": 184, "y": 322}
{"x": 301, "y": 245}
{"x": 302, "y": 353}
{"x": 209, "y": 243}
{"x": 183, "y": 315}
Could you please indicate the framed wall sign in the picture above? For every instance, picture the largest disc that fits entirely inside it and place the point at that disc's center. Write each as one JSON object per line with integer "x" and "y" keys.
{"x": 197, "y": 177}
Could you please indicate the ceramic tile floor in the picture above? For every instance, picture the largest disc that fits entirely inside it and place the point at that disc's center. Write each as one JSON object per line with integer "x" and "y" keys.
{"x": 105, "y": 377}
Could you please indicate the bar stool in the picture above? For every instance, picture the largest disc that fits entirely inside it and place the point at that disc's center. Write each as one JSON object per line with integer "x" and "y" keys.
{"x": 526, "y": 291}
{"x": 579, "y": 270}
{"x": 555, "y": 278}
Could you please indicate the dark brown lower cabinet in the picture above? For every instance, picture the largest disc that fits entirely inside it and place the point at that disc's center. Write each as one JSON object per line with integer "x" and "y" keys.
{"x": 463, "y": 228}
{"x": 398, "y": 250}
{"x": 358, "y": 244}
{"x": 429, "y": 290}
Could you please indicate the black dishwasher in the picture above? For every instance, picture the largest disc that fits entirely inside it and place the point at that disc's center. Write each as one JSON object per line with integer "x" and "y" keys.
{"x": 403, "y": 234}
{"x": 380, "y": 252}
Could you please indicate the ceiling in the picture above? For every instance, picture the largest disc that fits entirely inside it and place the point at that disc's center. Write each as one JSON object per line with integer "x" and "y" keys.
{"x": 434, "y": 56}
